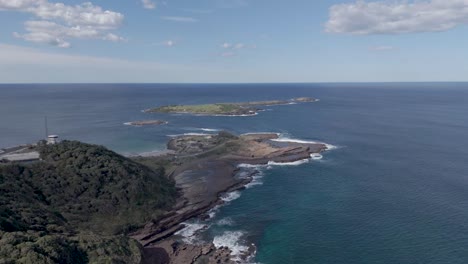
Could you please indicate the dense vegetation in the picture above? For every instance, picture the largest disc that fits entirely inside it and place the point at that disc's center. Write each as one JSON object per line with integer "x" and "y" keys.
{"x": 74, "y": 205}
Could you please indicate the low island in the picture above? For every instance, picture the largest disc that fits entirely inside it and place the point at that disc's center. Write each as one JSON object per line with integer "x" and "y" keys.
{"x": 226, "y": 109}
{"x": 82, "y": 203}
{"x": 147, "y": 123}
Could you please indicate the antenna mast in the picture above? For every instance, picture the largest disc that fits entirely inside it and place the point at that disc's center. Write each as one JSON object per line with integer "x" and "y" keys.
{"x": 46, "y": 128}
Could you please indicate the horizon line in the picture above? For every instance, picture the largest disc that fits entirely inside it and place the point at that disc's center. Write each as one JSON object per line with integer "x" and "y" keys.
{"x": 234, "y": 83}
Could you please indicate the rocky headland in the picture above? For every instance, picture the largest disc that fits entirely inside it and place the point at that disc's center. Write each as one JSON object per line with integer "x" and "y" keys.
{"x": 82, "y": 203}
{"x": 207, "y": 166}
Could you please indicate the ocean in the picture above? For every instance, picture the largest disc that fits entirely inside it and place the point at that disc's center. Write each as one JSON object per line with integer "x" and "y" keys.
{"x": 394, "y": 190}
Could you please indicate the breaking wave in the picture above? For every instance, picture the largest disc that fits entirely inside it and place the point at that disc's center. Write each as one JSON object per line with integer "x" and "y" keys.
{"x": 284, "y": 138}
{"x": 225, "y": 222}
{"x": 190, "y": 231}
{"x": 233, "y": 241}
{"x": 316, "y": 156}
{"x": 256, "y": 180}
{"x": 293, "y": 163}
{"x": 231, "y": 196}
{"x": 209, "y": 129}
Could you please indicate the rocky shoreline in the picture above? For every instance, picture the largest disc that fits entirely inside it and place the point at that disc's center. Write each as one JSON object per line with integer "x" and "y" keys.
{"x": 207, "y": 167}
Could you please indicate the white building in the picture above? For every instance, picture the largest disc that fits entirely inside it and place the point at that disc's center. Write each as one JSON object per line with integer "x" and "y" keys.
{"x": 52, "y": 139}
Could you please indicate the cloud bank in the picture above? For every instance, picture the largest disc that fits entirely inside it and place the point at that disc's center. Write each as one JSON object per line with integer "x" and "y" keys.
{"x": 396, "y": 17}
{"x": 57, "y": 23}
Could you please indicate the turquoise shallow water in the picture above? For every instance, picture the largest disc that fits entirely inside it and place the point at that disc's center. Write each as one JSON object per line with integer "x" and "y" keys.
{"x": 395, "y": 191}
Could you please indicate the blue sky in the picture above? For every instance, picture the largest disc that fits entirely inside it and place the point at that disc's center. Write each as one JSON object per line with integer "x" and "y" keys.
{"x": 233, "y": 41}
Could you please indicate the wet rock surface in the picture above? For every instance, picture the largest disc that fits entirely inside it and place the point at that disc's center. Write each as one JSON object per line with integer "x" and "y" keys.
{"x": 208, "y": 167}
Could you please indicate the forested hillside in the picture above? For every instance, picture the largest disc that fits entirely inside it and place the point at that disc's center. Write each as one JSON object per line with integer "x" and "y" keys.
{"x": 75, "y": 205}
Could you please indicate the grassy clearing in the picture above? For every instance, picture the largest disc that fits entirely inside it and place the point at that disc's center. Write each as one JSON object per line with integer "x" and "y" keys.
{"x": 214, "y": 109}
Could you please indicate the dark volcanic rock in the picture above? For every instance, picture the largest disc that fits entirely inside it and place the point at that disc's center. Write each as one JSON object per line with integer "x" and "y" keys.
{"x": 208, "y": 168}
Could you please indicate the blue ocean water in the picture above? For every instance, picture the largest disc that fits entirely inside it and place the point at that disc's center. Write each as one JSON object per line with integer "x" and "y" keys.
{"x": 394, "y": 191}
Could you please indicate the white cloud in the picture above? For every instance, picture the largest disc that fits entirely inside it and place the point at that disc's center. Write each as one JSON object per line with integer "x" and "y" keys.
{"x": 396, "y": 17}
{"x": 170, "y": 43}
{"x": 47, "y": 32}
{"x": 60, "y": 22}
{"x": 233, "y": 49}
{"x": 148, "y": 4}
{"x": 113, "y": 37}
{"x": 167, "y": 43}
{"x": 84, "y": 14}
{"x": 16, "y": 4}
{"x": 180, "y": 19}
{"x": 227, "y": 45}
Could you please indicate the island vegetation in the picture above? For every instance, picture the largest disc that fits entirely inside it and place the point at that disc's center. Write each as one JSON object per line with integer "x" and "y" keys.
{"x": 230, "y": 109}
{"x": 147, "y": 123}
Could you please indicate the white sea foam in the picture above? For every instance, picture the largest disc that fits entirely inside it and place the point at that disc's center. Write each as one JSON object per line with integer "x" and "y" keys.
{"x": 256, "y": 180}
{"x": 316, "y": 156}
{"x": 209, "y": 129}
{"x": 233, "y": 241}
{"x": 190, "y": 231}
{"x": 260, "y": 133}
{"x": 225, "y": 222}
{"x": 271, "y": 163}
{"x": 293, "y": 163}
{"x": 284, "y": 138}
{"x": 250, "y": 166}
{"x": 330, "y": 146}
{"x": 253, "y": 114}
{"x": 231, "y": 196}
{"x": 212, "y": 212}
